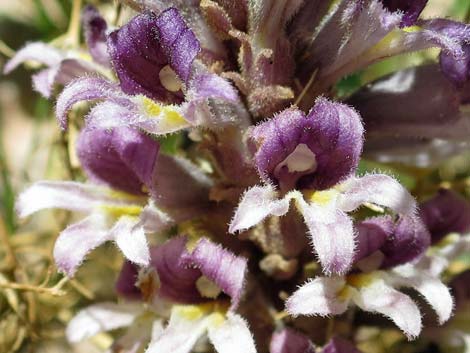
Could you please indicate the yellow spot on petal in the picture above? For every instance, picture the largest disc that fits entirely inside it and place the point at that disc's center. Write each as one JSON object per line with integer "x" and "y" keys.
{"x": 411, "y": 29}
{"x": 359, "y": 280}
{"x": 191, "y": 312}
{"x": 168, "y": 115}
{"x": 344, "y": 294}
{"x": 121, "y": 210}
{"x": 323, "y": 197}
{"x": 216, "y": 319}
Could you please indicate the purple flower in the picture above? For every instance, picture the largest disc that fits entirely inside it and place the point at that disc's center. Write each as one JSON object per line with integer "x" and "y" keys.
{"x": 445, "y": 213}
{"x": 180, "y": 272}
{"x": 316, "y": 151}
{"x": 122, "y": 158}
{"x": 318, "y": 155}
{"x": 400, "y": 129}
{"x": 155, "y": 60}
{"x": 143, "y": 48}
{"x": 398, "y": 242}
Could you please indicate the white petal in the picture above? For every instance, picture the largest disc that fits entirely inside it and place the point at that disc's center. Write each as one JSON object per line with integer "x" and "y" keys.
{"x": 67, "y": 195}
{"x": 130, "y": 238}
{"x": 43, "y": 81}
{"x": 432, "y": 289}
{"x": 77, "y": 240}
{"x": 232, "y": 336}
{"x": 380, "y": 298}
{"x": 332, "y": 235}
{"x": 100, "y": 317}
{"x": 155, "y": 220}
{"x": 379, "y": 189}
{"x": 256, "y": 204}
{"x": 39, "y": 52}
{"x": 322, "y": 296}
{"x": 184, "y": 329}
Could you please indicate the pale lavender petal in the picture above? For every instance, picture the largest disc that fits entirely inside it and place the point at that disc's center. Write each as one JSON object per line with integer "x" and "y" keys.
{"x": 177, "y": 279}
{"x": 39, "y": 52}
{"x": 436, "y": 293}
{"x": 379, "y": 189}
{"x": 221, "y": 266}
{"x": 211, "y": 101}
{"x": 353, "y": 28}
{"x": 290, "y": 341}
{"x": 85, "y": 89}
{"x": 372, "y": 233}
{"x": 154, "y": 220}
{"x": 332, "y": 235}
{"x": 381, "y": 298}
{"x": 123, "y": 158}
{"x": 131, "y": 240}
{"x": 98, "y": 318}
{"x": 77, "y": 240}
{"x": 43, "y": 81}
{"x": 339, "y": 345}
{"x": 232, "y": 336}
{"x": 256, "y": 204}
{"x": 408, "y": 241}
{"x": 67, "y": 195}
{"x": 318, "y": 297}
{"x": 445, "y": 213}
{"x": 313, "y": 151}
{"x": 180, "y": 335}
{"x": 94, "y": 28}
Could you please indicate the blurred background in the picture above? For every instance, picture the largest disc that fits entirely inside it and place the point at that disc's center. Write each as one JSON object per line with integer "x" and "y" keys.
{"x": 35, "y": 302}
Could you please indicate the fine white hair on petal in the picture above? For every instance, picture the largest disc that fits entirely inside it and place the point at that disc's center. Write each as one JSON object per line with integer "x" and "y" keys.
{"x": 332, "y": 235}
{"x": 181, "y": 333}
{"x": 67, "y": 195}
{"x": 256, "y": 204}
{"x": 436, "y": 293}
{"x": 86, "y": 89}
{"x": 232, "y": 336}
{"x": 378, "y": 297}
{"x": 100, "y": 318}
{"x": 37, "y": 51}
{"x": 221, "y": 266}
{"x": 130, "y": 238}
{"x": 77, "y": 240}
{"x": 379, "y": 189}
{"x": 318, "y": 297}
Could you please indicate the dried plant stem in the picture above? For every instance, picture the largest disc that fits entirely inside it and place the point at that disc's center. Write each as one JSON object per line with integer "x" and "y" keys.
{"x": 306, "y": 88}
{"x": 10, "y": 259}
{"x": 55, "y": 291}
{"x": 73, "y": 32}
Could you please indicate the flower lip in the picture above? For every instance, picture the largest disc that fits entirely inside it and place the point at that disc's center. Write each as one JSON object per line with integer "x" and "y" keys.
{"x": 123, "y": 158}
{"x": 314, "y": 151}
{"x": 145, "y": 46}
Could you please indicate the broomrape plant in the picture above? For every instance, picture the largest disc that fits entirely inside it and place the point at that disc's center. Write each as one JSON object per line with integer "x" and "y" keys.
{"x": 260, "y": 215}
